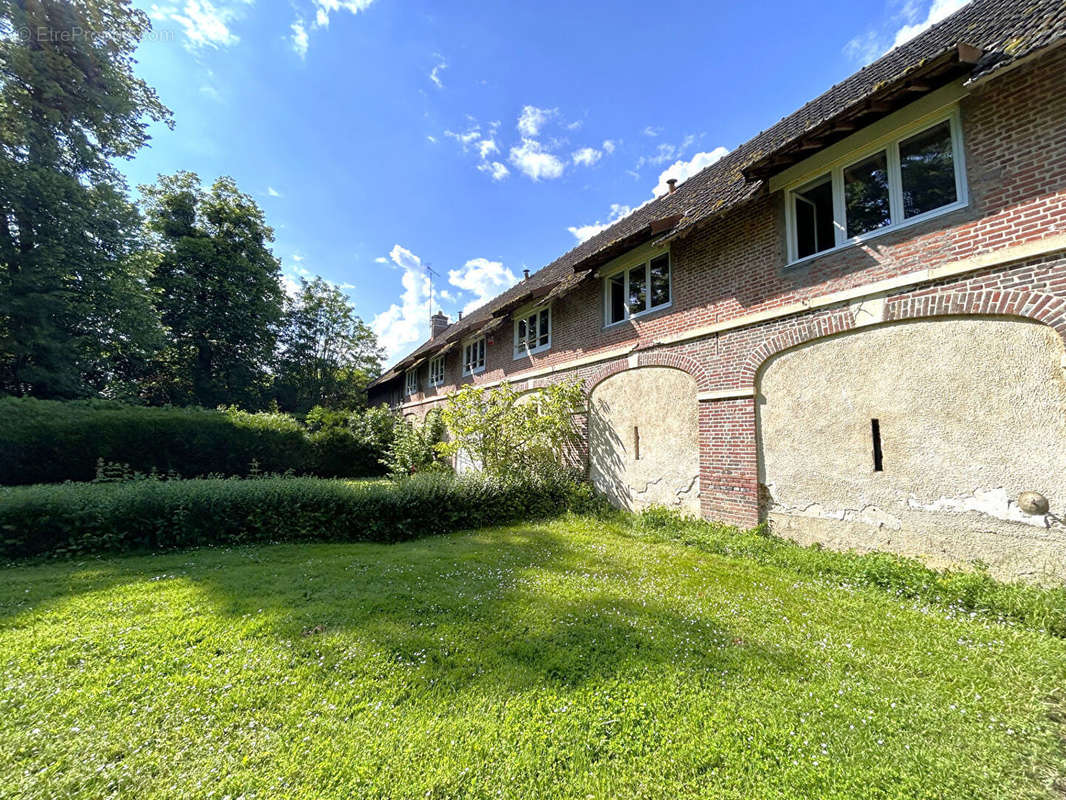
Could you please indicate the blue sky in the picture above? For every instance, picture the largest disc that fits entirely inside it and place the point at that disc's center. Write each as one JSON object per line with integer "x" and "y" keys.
{"x": 480, "y": 138}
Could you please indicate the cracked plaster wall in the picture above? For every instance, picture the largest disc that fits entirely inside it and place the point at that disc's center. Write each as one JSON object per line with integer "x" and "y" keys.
{"x": 661, "y": 404}
{"x": 971, "y": 413}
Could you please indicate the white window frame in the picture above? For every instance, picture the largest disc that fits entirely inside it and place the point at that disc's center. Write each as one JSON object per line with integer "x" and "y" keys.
{"x": 473, "y": 368}
{"x": 436, "y": 370}
{"x": 521, "y": 350}
{"x": 890, "y": 144}
{"x": 410, "y": 382}
{"x": 625, "y": 270}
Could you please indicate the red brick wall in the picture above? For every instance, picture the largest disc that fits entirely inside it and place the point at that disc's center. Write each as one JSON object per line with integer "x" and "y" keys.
{"x": 1014, "y": 132}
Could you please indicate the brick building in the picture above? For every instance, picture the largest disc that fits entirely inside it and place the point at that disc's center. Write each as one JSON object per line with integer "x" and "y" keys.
{"x": 850, "y": 326}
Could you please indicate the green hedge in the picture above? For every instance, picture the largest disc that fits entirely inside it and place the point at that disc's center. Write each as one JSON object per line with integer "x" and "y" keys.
{"x": 45, "y": 441}
{"x": 71, "y": 519}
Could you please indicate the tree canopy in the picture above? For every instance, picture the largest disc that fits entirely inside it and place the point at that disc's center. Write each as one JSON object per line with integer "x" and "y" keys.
{"x": 74, "y": 309}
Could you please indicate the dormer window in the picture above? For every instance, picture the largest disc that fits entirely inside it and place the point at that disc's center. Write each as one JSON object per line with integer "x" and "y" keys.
{"x": 410, "y": 382}
{"x": 436, "y": 371}
{"x": 911, "y": 177}
{"x": 637, "y": 290}
{"x": 474, "y": 356}
{"x": 533, "y": 332}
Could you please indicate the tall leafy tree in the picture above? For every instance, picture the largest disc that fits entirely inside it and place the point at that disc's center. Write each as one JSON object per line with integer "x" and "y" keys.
{"x": 219, "y": 292}
{"x": 75, "y": 313}
{"x": 327, "y": 354}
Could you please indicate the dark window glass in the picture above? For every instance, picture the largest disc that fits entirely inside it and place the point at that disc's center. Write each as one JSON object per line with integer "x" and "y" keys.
{"x": 522, "y": 333}
{"x": 638, "y": 289}
{"x": 866, "y": 195}
{"x": 814, "y": 218}
{"x": 543, "y": 340}
{"x": 660, "y": 281}
{"x": 616, "y": 285}
{"x": 927, "y": 169}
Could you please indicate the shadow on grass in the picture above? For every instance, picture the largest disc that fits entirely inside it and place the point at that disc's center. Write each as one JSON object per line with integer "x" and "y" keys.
{"x": 511, "y": 608}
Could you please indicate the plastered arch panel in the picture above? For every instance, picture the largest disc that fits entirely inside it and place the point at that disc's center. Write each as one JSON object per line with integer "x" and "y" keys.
{"x": 971, "y": 411}
{"x": 643, "y": 431}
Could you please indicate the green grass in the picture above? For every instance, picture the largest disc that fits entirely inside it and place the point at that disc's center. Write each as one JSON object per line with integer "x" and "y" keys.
{"x": 561, "y": 659}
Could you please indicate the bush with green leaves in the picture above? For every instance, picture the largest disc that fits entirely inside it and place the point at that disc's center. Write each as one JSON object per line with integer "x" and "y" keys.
{"x": 45, "y": 441}
{"x": 507, "y": 432}
{"x": 414, "y": 447}
{"x": 153, "y": 515}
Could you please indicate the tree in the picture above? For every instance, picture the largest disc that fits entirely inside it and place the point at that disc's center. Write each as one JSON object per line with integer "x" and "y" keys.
{"x": 328, "y": 355}
{"x": 75, "y": 311}
{"x": 510, "y": 434}
{"x": 219, "y": 292}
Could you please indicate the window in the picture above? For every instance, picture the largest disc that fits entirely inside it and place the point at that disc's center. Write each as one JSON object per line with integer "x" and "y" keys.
{"x": 927, "y": 171}
{"x": 436, "y": 371}
{"x": 866, "y": 195}
{"x": 637, "y": 290}
{"x": 474, "y": 356}
{"x": 410, "y": 384}
{"x": 533, "y": 332}
{"x": 907, "y": 179}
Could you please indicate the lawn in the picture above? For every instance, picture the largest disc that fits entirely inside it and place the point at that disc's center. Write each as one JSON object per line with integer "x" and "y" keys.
{"x": 563, "y": 659}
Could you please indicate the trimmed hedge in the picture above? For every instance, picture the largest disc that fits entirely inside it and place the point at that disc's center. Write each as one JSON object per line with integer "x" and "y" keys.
{"x": 74, "y": 519}
{"x": 47, "y": 441}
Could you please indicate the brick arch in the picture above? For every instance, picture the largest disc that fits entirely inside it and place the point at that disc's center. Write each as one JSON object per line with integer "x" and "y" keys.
{"x": 672, "y": 360}
{"x": 1037, "y": 306}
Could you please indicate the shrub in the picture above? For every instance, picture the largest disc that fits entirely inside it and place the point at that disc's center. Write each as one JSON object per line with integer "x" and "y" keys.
{"x": 45, "y": 441}
{"x": 69, "y": 519}
{"x": 509, "y": 433}
{"x": 414, "y": 448}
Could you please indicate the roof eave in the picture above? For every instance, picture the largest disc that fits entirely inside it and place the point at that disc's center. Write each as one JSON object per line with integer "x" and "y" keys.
{"x": 951, "y": 63}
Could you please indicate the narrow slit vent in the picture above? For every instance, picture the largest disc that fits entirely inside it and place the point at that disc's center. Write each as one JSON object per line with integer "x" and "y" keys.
{"x": 636, "y": 443}
{"x": 875, "y": 434}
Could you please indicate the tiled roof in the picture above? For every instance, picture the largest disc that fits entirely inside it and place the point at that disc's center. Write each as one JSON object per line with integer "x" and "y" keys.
{"x": 1005, "y": 30}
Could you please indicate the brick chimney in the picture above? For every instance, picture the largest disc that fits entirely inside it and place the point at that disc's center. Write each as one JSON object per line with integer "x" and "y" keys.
{"x": 437, "y": 323}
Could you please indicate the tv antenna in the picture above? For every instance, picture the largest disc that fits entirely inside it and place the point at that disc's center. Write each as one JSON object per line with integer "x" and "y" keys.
{"x": 432, "y": 274}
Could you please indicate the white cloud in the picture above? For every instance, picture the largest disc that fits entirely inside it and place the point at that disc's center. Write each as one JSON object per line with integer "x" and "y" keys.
{"x": 940, "y": 9}
{"x": 650, "y": 131}
{"x": 609, "y": 145}
{"x": 204, "y": 23}
{"x": 585, "y": 232}
{"x": 210, "y": 91}
{"x": 326, "y": 7}
{"x": 381, "y": 260}
{"x": 299, "y": 38}
{"x": 273, "y": 192}
{"x": 434, "y": 74}
{"x": 497, "y": 170}
{"x": 864, "y": 48}
{"x": 486, "y": 147}
{"x": 432, "y": 139}
{"x": 683, "y": 170}
{"x": 586, "y": 156}
{"x": 871, "y": 45}
{"x": 484, "y": 143}
{"x": 297, "y": 257}
{"x": 291, "y": 285}
{"x": 407, "y": 322}
{"x": 483, "y": 278}
{"x": 472, "y": 136}
{"x": 667, "y": 152}
{"x": 532, "y": 119}
{"x": 533, "y": 160}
